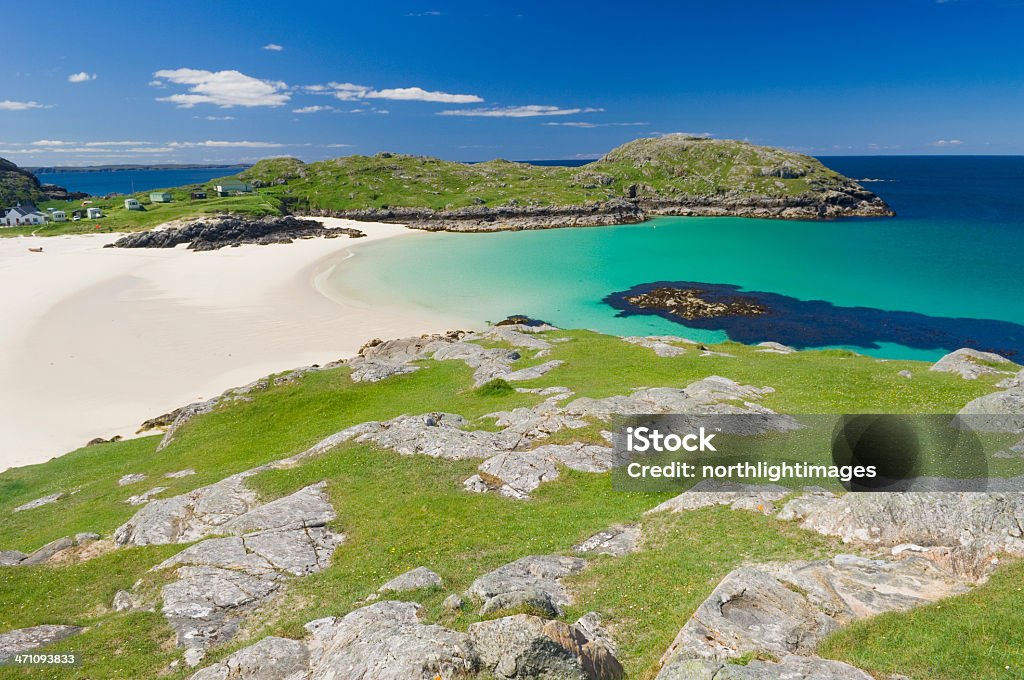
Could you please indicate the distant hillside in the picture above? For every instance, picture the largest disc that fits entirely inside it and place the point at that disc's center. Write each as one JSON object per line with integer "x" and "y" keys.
{"x": 17, "y": 185}
{"x": 671, "y": 175}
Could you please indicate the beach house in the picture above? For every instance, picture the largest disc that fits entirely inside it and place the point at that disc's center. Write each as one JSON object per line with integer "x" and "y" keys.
{"x": 93, "y": 213}
{"x": 160, "y": 197}
{"x": 132, "y": 204}
{"x": 232, "y": 187}
{"x": 21, "y": 215}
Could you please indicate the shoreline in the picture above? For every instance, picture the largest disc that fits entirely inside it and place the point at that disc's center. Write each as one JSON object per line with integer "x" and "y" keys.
{"x": 125, "y": 335}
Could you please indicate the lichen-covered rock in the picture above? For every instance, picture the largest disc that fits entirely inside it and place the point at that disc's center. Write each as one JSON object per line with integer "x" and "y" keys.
{"x": 146, "y": 496}
{"x": 536, "y": 572}
{"x": 272, "y": 658}
{"x": 986, "y": 524}
{"x": 996, "y": 412}
{"x": 131, "y": 479}
{"x": 615, "y": 541}
{"x": 711, "y": 492}
{"x": 791, "y": 667}
{"x": 663, "y": 345}
{"x": 26, "y": 639}
{"x": 439, "y": 435}
{"x": 414, "y": 579}
{"x": 387, "y": 641}
{"x": 780, "y": 609}
{"x": 970, "y": 363}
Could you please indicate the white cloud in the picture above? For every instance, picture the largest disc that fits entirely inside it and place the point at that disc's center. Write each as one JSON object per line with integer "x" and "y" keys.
{"x": 273, "y": 47}
{"x": 352, "y": 92}
{"x": 50, "y": 142}
{"x": 214, "y": 117}
{"x": 418, "y": 94}
{"x": 81, "y": 77}
{"x": 224, "y": 144}
{"x": 338, "y": 146}
{"x": 222, "y": 88}
{"x": 121, "y": 143}
{"x": 946, "y": 142}
{"x": 526, "y": 111}
{"x": 313, "y": 109}
{"x": 582, "y": 124}
{"x": 8, "y": 105}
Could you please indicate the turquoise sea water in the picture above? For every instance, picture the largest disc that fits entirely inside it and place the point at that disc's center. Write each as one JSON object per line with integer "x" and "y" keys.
{"x": 954, "y": 250}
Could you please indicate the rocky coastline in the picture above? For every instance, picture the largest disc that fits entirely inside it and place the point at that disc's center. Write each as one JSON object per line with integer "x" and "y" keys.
{"x": 214, "y": 233}
{"x": 853, "y": 201}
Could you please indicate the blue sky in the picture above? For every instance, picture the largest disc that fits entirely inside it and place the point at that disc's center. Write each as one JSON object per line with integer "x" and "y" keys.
{"x": 232, "y": 81}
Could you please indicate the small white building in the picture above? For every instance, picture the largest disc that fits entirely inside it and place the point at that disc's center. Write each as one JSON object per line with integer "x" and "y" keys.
{"x": 22, "y": 215}
{"x": 59, "y": 216}
{"x": 132, "y": 204}
{"x": 93, "y": 213}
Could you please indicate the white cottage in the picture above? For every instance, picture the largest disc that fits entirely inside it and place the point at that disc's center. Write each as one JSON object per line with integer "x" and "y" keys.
{"x": 22, "y": 215}
{"x": 93, "y": 213}
{"x": 59, "y": 216}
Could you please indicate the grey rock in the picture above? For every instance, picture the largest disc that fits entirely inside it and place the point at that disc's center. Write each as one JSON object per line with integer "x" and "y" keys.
{"x": 26, "y": 639}
{"x": 965, "y": 363}
{"x": 791, "y": 667}
{"x": 592, "y": 626}
{"x": 387, "y": 641}
{"x": 307, "y": 507}
{"x": 615, "y": 541}
{"x": 774, "y": 348}
{"x": 780, "y": 609}
{"x": 905, "y": 374}
{"x": 535, "y": 572}
{"x": 1013, "y": 382}
{"x": 986, "y": 523}
{"x": 414, "y": 579}
{"x": 10, "y": 558}
{"x": 515, "y": 473}
{"x": 531, "y": 372}
{"x": 996, "y": 412}
{"x": 124, "y": 601}
{"x": 44, "y": 553}
{"x": 710, "y": 492}
{"x": 487, "y": 364}
{"x": 272, "y": 658}
{"x": 662, "y": 345}
{"x": 185, "y": 415}
{"x": 453, "y": 603}
{"x": 131, "y": 479}
{"x": 517, "y": 337}
{"x": 439, "y": 435}
{"x": 531, "y": 599}
{"x": 187, "y": 472}
{"x": 145, "y": 497}
{"x": 40, "y": 502}
{"x": 521, "y": 425}
{"x": 516, "y": 647}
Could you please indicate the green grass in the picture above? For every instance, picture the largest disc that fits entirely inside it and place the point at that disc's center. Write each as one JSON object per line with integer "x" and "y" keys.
{"x": 400, "y": 512}
{"x": 977, "y": 635}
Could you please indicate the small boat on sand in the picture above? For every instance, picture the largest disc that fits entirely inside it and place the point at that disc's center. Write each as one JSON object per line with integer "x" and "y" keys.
{"x": 35, "y": 250}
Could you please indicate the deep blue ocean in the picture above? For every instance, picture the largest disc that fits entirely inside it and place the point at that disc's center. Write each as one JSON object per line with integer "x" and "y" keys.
{"x": 103, "y": 182}
{"x": 944, "y": 273}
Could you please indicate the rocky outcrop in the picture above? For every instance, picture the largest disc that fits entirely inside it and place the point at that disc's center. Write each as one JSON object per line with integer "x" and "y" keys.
{"x": 213, "y": 233}
{"x": 791, "y": 667}
{"x": 54, "y": 550}
{"x": 272, "y": 658}
{"x": 665, "y": 346}
{"x": 997, "y": 412}
{"x": 969, "y": 363}
{"x": 27, "y": 639}
{"x": 972, "y": 527}
{"x": 517, "y": 473}
{"x": 536, "y": 574}
{"x": 710, "y": 492}
{"x": 40, "y": 502}
{"x": 778, "y": 610}
{"x": 414, "y": 579}
{"x": 615, "y": 541}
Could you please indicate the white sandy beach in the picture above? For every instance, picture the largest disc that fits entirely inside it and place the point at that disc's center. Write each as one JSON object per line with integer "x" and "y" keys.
{"x": 94, "y": 340}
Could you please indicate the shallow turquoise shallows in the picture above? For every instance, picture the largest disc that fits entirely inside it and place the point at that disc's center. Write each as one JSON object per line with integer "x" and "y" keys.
{"x": 954, "y": 251}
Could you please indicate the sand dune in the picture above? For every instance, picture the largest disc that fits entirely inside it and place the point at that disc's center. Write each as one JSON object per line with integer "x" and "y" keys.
{"x": 93, "y": 341}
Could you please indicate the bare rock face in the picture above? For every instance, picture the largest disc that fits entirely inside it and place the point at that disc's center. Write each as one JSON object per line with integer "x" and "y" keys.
{"x": 970, "y": 363}
{"x": 131, "y": 479}
{"x": 414, "y": 579}
{"x": 615, "y": 541}
{"x": 977, "y": 526}
{"x": 516, "y": 473}
{"x": 711, "y": 492}
{"x": 27, "y": 639}
{"x": 184, "y": 416}
{"x": 387, "y": 641}
{"x": 40, "y": 502}
{"x": 219, "y": 580}
{"x": 272, "y": 658}
{"x": 439, "y": 435}
{"x": 525, "y": 646}
{"x": 996, "y": 412}
{"x": 664, "y": 346}
{"x": 782, "y": 609}
{"x": 540, "y": 573}
{"x": 774, "y": 348}
{"x": 791, "y": 667}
